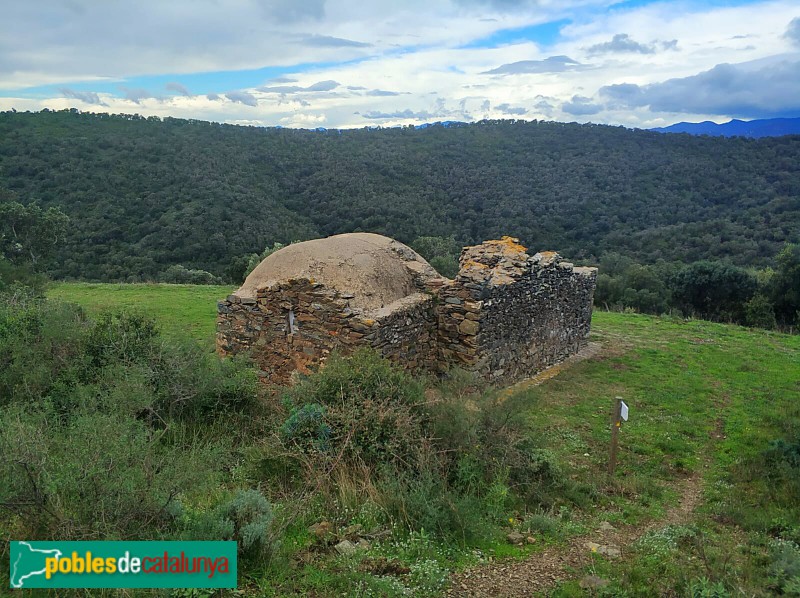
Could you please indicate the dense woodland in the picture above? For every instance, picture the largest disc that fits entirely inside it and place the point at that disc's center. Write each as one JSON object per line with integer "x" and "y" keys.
{"x": 145, "y": 194}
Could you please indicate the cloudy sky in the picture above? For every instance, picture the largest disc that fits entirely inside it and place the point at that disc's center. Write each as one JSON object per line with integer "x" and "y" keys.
{"x": 342, "y": 63}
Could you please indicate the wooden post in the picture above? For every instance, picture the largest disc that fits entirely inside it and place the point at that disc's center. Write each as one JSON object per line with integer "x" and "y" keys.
{"x": 615, "y": 424}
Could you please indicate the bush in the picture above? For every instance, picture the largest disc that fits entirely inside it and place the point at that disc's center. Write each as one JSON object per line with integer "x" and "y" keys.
{"x": 784, "y": 567}
{"x": 246, "y": 518}
{"x": 759, "y": 313}
{"x": 41, "y": 344}
{"x": 121, "y": 337}
{"x": 102, "y": 475}
{"x": 784, "y": 287}
{"x": 190, "y": 383}
{"x": 178, "y": 274}
{"x": 441, "y": 252}
{"x": 306, "y": 426}
{"x": 101, "y": 426}
{"x": 704, "y": 588}
{"x": 362, "y": 406}
{"x": 714, "y": 290}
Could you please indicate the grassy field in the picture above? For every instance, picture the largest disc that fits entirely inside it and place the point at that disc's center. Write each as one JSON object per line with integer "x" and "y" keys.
{"x": 181, "y": 309}
{"x": 707, "y": 403}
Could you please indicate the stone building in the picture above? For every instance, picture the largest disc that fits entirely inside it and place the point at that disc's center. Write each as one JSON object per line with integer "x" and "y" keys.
{"x": 506, "y": 315}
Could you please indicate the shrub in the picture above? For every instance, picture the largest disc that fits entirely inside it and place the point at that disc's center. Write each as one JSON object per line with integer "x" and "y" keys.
{"x": 246, "y": 518}
{"x": 125, "y": 337}
{"x": 101, "y": 475}
{"x": 178, "y": 274}
{"x": 372, "y": 411}
{"x": 759, "y": 313}
{"x": 306, "y": 426}
{"x": 190, "y": 383}
{"x": 441, "y": 252}
{"x": 784, "y": 567}
{"x": 41, "y": 342}
{"x": 715, "y": 290}
{"x": 704, "y": 588}
{"x": 101, "y": 422}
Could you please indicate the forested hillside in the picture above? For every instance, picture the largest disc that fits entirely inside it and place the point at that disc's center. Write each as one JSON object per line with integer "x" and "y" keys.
{"x": 145, "y": 194}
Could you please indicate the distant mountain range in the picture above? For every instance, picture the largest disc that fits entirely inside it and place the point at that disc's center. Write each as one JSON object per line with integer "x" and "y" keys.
{"x": 768, "y": 127}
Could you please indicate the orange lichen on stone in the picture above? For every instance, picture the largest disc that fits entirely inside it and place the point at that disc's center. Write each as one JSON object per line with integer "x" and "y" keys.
{"x": 474, "y": 264}
{"x": 509, "y": 245}
{"x": 547, "y": 253}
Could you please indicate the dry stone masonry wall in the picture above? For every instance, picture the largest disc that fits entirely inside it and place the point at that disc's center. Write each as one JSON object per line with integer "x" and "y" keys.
{"x": 506, "y": 315}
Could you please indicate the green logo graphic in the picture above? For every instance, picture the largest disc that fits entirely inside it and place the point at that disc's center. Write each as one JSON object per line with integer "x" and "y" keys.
{"x": 122, "y": 564}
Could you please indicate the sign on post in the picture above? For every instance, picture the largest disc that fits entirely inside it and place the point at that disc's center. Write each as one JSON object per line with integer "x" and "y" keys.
{"x": 620, "y": 415}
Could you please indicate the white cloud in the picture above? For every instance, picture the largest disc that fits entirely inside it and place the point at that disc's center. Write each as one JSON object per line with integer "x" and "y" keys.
{"x": 388, "y": 63}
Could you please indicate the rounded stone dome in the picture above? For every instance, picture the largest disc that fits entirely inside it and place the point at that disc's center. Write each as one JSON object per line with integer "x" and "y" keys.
{"x": 374, "y": 269}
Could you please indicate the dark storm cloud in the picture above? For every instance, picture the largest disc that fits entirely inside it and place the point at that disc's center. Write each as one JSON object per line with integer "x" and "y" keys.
{"x": 175, "y": 86}
{"x": 581, "y": 106}
{"x": 759, "y": 89}
{"x": 242, "y": 97}
{"x": 553, "y": 64}
{"x": 88, "y": 97}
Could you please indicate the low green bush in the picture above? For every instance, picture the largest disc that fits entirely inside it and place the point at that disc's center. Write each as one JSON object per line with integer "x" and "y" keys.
{"x": 363, "y": 407}
{"x": 246, "y": 517}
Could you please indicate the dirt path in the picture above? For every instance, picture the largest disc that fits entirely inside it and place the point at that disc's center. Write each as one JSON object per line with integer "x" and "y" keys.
{"x": 543, "y": 570}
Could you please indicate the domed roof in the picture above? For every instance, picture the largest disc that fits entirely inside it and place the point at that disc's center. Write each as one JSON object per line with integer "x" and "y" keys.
{"x": 375, "y": 269}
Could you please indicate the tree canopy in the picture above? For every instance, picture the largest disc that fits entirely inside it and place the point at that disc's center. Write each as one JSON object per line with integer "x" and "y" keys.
{"x": 144, "y": 194}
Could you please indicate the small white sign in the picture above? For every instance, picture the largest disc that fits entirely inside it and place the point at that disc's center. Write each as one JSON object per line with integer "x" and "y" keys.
{"x": 623, "y": 411}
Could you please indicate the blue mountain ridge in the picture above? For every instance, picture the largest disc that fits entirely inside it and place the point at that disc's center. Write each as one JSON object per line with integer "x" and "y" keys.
{"x": 768, "y": 127}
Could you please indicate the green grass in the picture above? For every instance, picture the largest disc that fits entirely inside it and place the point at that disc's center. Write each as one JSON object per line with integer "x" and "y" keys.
{"x": 703, "y": 397}
{"x": 181, "y": 309}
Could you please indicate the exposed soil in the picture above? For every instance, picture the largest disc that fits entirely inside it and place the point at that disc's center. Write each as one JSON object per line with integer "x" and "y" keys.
{"x": 545, "y": 569}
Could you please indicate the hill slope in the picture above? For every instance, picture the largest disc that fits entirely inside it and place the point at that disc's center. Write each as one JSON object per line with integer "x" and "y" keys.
{"x": 144, "y": 193}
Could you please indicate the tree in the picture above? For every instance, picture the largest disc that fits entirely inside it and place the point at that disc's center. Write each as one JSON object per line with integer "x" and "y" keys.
{"x": 759, "y": 313}
{"x": 715, "y": 290}
{"x": 785, "y": 285}
{"x": 441, "y": 252}
{"x": 29, "y": 234}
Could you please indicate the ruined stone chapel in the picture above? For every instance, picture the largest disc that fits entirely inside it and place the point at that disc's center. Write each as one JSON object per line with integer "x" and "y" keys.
{"x": 506, "y": 315}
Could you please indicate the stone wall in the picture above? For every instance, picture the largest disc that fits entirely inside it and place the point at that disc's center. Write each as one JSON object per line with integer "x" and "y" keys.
{"x": 295, "y": 325}
{"x": 506, "y": 315}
